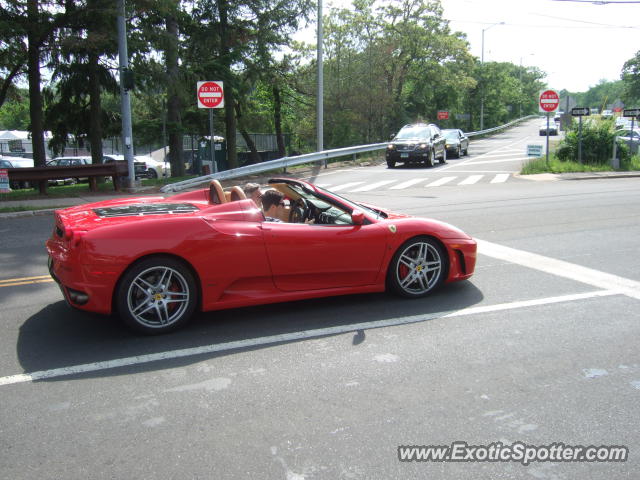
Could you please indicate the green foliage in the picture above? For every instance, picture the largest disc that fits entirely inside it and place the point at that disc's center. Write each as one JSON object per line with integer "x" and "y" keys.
{"x": 597, "y": 143}
{"x": 631, "y": 78}
{"x": 555, "y": 165}
{"x": 14, "y": 114}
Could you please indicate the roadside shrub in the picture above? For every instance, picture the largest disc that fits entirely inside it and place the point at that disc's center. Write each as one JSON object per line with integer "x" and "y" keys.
{"x": 597, "y": 144}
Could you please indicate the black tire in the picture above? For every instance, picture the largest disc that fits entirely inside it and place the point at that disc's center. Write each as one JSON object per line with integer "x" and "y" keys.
{"x": 459, "y": 152}
{"x": 151, "y": 173}
{"x": 444, "y": 156}
{"x": 156, "y": 295}
{"x": 391, "y": 164}
{"x": 431, "y": 160}
{"x": 418, "y": 267}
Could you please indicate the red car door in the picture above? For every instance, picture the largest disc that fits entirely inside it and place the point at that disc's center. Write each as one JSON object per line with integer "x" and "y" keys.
{"x": 312, "y": 257}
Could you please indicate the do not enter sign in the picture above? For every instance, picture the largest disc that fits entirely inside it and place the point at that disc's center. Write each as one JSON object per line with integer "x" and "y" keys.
{"x": 549, "y": 101}
{"x": 210, "y": 94}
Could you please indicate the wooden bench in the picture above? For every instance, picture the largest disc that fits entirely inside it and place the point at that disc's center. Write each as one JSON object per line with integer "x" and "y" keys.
{"x": 114, "y": 170}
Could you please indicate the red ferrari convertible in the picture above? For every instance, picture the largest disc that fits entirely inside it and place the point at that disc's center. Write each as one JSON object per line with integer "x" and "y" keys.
{"x": 156, "y": 260}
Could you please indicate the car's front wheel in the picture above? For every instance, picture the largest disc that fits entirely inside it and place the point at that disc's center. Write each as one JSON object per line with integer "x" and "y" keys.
{"x": 157, "y": 295}
{"x": 431, "y": 160}
{"x": 391, "y": 164}
{"x": 418, "y": 267}
{"x": 151, "y": 173}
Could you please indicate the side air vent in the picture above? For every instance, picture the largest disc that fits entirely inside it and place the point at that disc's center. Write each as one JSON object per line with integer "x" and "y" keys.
{"x": 145, "y": 209}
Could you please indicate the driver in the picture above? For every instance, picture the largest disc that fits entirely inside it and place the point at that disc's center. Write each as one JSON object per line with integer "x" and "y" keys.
{"x": 273, "y": 205}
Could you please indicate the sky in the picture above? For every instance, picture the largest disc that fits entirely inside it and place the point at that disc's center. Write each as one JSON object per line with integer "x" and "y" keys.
{"x": 577, "y": 44}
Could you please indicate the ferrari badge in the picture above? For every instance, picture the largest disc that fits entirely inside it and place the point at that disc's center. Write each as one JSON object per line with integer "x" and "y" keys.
{"x": 393, "y": 228}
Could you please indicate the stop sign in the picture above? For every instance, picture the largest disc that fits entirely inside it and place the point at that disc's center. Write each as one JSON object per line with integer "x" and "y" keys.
{"x": 549, "y": 101}
{"x": 210, "y": 94}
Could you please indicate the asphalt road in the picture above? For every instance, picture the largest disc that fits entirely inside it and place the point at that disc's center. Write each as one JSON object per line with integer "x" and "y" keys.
{"x": 540, "y": 346}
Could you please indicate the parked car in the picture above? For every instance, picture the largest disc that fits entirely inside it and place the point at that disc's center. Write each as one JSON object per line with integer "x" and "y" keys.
{"x": 551, "y": 129}
{"x": 417, "y": 143}
{"x": 68, "y": 162}
{"x": 607, "y": 113}
{"x": 630, "y": 137}
{"x": 140, "y": 168}
{"x": 456, "y": 142}
{"x": 17, "y": 162}
{"x": 154, "y": 168}
{"x": 155, "y": 261}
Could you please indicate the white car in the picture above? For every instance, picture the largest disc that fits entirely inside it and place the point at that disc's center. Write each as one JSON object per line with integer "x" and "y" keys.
{"x": 155, "y": 168}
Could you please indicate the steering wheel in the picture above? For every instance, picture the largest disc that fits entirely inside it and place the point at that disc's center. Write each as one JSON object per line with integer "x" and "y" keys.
{"x": 300, "y": 211}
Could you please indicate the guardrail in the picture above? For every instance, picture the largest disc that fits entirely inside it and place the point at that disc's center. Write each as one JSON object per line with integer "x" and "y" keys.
{"x": 300, "y": 159}
{"x": 35, "y": 174}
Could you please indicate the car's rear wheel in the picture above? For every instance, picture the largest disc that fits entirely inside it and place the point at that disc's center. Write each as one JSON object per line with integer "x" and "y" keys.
{"x": 157, "y": 295}
{"x": 418, "y": 267}
{"x": 444, "y": 156}
{"x": 151, "y": 173}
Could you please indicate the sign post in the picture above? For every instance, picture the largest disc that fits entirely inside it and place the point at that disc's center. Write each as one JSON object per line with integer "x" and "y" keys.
{"x": 210, "y": 95}
{"x": 580, "y": 112}
{"x": 549, "y": 100}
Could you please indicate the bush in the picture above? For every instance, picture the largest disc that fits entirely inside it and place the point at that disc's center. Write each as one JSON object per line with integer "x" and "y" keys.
{"x": 597, "y": 144}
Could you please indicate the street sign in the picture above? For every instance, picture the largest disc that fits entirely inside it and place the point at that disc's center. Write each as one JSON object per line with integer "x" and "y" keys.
{"x": 549, "y": 101}
{"x": 4, "y": 181}
{"x": 534, "y": 150}
{"x": 580, "y": 112}
{"x": 210, "y": 94}
{"x": 443, "y": 115}
{"x": 631, "y": 112}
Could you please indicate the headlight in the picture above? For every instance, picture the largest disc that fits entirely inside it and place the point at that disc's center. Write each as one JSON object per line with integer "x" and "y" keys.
{"x": 423, "y": 146}
{"x": 390, "y": 147}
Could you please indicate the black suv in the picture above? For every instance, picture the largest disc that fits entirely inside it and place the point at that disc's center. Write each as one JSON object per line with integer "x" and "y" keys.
{"x": 417, "y": 143}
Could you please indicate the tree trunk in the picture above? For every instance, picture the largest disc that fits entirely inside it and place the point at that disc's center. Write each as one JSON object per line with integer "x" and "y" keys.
{"x": 254, "y": 155}
{"x": 277, "y": 120}
{"x": 174, "y": 103}
{"x": 35, "y": 95}
{"x": 229, "y": 98}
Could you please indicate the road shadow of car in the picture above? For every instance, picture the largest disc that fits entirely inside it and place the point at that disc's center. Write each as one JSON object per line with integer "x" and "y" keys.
{"x": 58, "y": 336}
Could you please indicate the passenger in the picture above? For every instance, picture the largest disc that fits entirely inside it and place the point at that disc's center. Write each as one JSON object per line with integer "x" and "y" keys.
{"x": 252, "y": 191}
{"x": 273, "y": 205}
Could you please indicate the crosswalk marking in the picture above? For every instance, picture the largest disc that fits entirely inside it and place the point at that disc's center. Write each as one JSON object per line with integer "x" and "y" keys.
{"x": 372, "y": 186}
{"x": 441, "y": 181}
{"x": 407, "y": 184}
{"x": 471, "y": 179}
{"x": 500, "y": 178}
{"x": 345, "y": 186}
{"x": 362, "y": 186}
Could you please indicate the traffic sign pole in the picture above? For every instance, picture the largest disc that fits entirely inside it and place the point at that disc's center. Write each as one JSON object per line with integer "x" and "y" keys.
{"x": 210, "y": 95}
{"x": 548, "y": 115}
{"x": 548, "y": 101}
{"x": 213, "y": 144}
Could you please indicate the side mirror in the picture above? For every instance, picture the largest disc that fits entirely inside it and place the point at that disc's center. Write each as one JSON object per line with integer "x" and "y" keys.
{"x": 391, "y": 136}
{"x": 357, "y": 217}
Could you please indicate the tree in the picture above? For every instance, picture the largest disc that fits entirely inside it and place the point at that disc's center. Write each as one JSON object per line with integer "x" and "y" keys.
{"x": 631, "y": 78}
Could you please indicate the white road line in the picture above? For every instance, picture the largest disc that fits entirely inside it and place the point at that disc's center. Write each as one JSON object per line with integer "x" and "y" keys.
{"x": 471, "y": 179}
{"x": 502, "y": 160}
{"x": 407, "y": 184}
{"x": 373, "y": 186}
{"x": 288, "y": 337}
{"x": 500, "y": 178}
{"x": 345, "y": 186}
{"x": 561, "y": 268}
{"x": 441, "y": 181}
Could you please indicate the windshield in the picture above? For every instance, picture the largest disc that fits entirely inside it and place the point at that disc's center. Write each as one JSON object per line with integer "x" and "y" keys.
{"x": 409, "y": 133}
{"x": 451, "y": 134}
{"x": 351, "y": 204}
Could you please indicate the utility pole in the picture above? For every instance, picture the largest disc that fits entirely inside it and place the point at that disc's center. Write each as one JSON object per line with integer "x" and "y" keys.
{"x": 320, "y": 93}
{"x": 126, "y": 83}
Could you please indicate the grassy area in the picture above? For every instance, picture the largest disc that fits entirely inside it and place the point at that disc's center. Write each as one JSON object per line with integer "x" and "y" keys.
{"x": 28, "y": 208}
{"x": 80, "y": 189}
{"x": 539, "y": 165}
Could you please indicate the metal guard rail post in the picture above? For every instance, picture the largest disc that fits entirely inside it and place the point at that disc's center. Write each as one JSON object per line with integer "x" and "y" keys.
{"x": 300, "y": 159}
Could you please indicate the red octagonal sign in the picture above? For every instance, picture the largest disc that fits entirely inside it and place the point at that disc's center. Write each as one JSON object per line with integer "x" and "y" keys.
{"x": 549, "y": 101}
{"x": 210, "y": 95}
